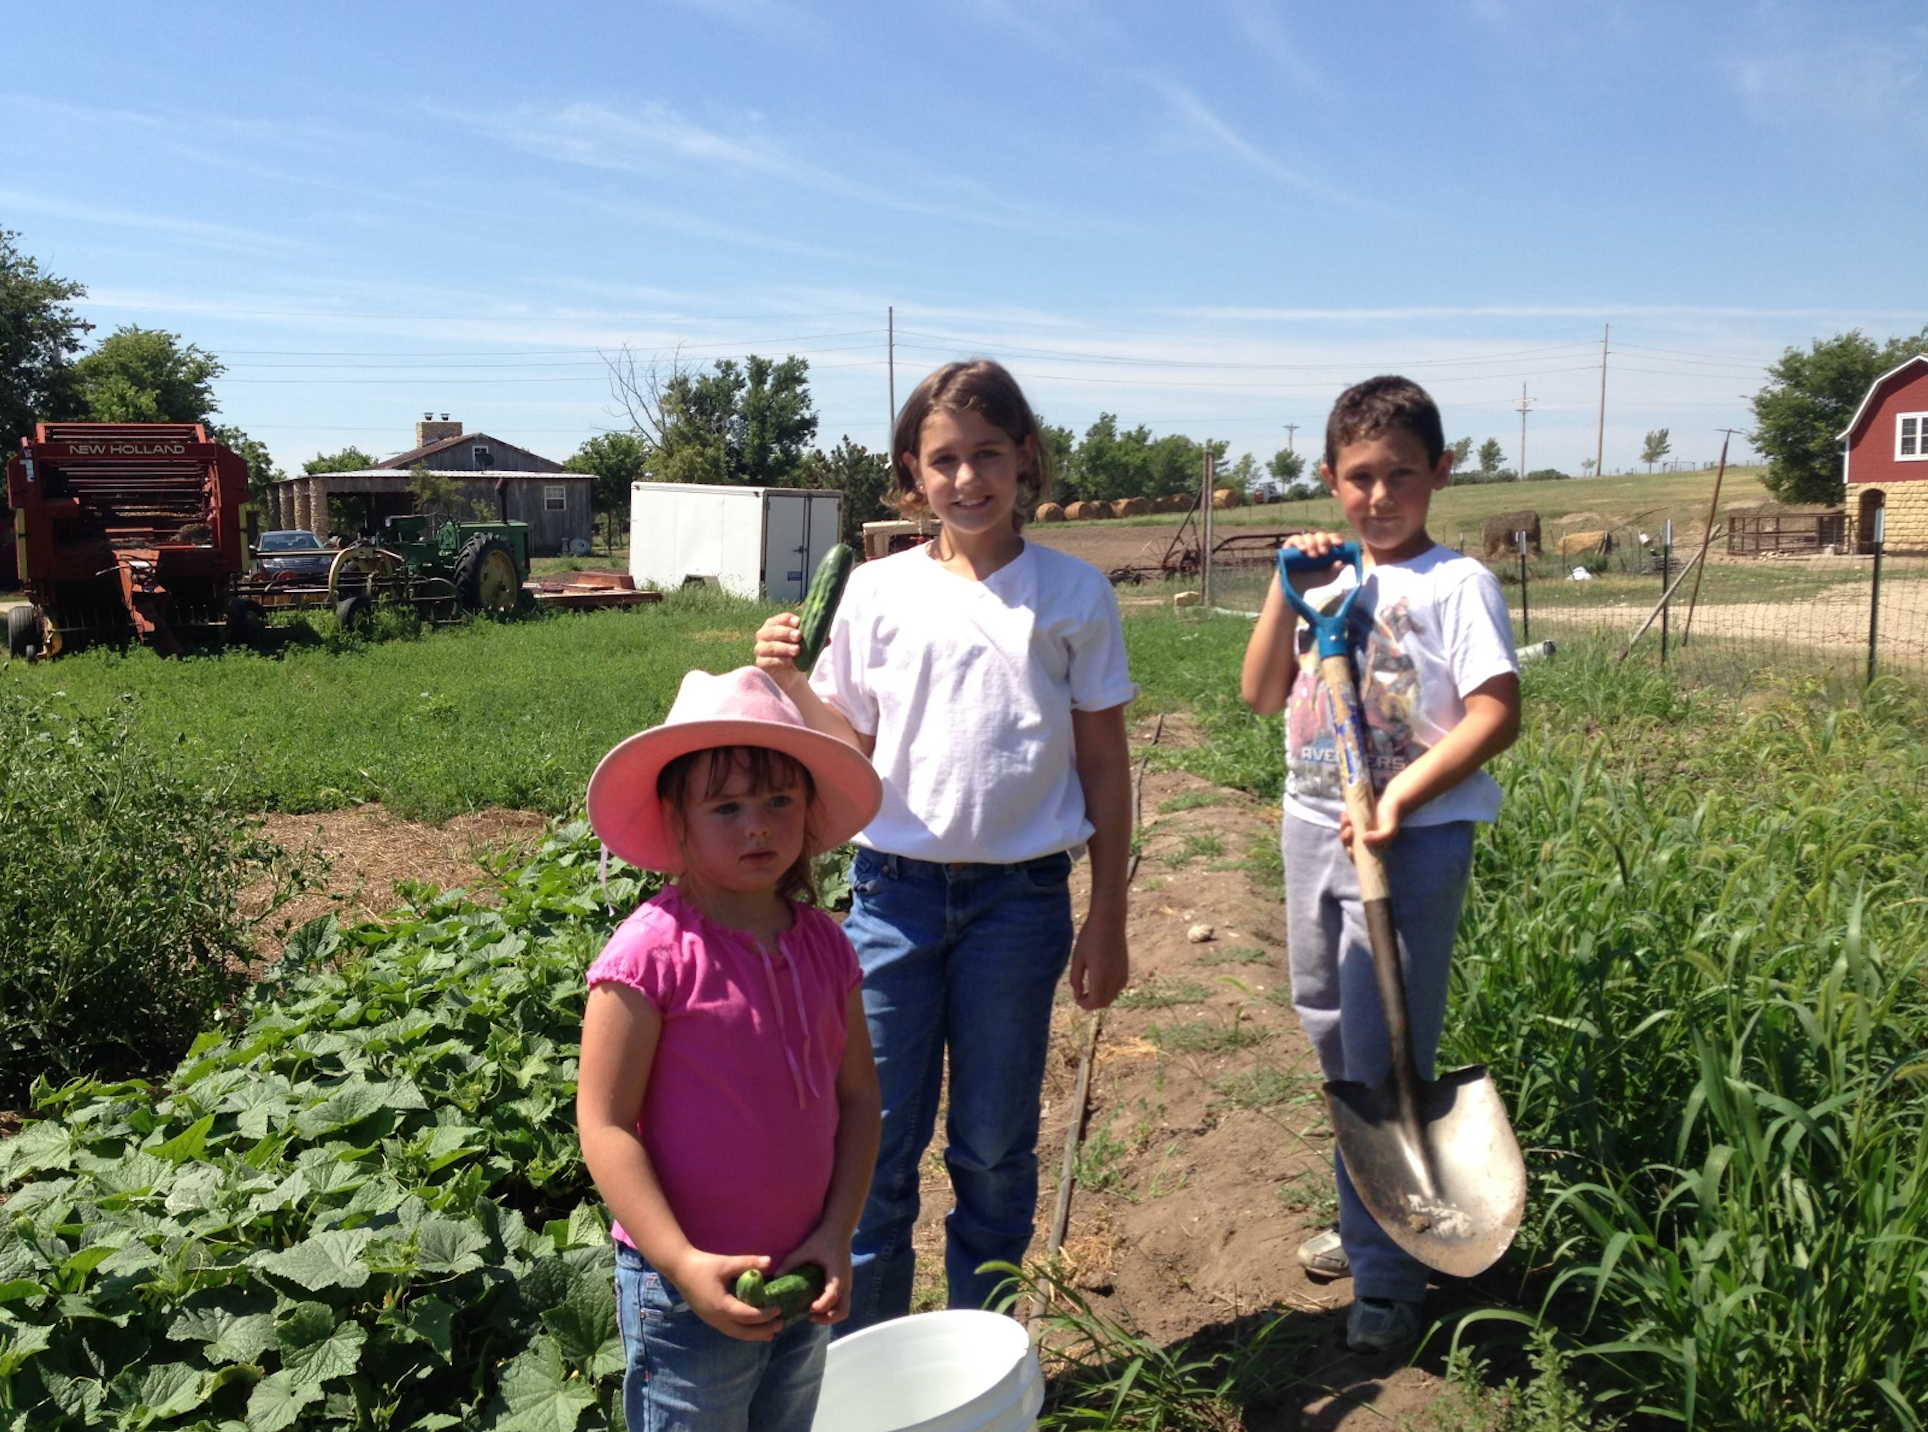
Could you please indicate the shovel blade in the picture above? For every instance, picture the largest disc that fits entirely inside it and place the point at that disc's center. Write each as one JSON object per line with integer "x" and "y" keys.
{"x": 1448, "y": 1186}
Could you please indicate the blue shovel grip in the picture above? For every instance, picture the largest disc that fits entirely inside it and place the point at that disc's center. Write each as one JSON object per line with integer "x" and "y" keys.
{"x": 1329, "y": 629}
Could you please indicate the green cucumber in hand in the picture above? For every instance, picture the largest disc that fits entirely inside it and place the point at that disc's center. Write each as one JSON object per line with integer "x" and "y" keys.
{"x": 791, "y": 1295}
{"x": 820, "y": 605}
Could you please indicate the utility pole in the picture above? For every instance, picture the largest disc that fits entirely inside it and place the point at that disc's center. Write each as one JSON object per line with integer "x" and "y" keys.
{"x": 1290, "y": 429}
{"x": 1600, "y": 438}
{"x": 890, "y": 319}
{"x": 1523, "y": 405}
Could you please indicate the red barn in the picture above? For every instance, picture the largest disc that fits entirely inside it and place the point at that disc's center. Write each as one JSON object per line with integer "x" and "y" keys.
{"x": 1886, "y": 466}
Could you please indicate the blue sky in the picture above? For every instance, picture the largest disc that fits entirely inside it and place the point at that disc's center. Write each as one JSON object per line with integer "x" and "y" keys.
{"x": 1207, "y": 217}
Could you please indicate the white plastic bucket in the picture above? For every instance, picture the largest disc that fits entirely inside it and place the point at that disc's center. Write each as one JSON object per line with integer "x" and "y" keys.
{"x": 954, "y": 1371}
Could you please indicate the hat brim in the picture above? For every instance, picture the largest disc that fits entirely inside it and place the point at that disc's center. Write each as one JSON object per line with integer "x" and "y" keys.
{"x": 627, "y": 814}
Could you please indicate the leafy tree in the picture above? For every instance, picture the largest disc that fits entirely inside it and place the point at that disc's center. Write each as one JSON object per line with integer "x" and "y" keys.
{"x": 750, "y": 423}
{"x": 1491, "y": 455}
{"x": 1110, "y": 464}
{"x": 1654, "y": 447}
{"x": 441, "y": 496}
{"x": 1461, "y": 450}
{"x": 1060, "y": 444}
{"x": 349, "y": 459}
{"x": 39, "y": 334}
{"x": 262, "y": 473}
{"x": 617, "y": 460}
{"x": 1586, "y": 466}
{"x": 147, "y": 375}
{"x": 864, "y": 479}
{"x": 1287, "y": 466}
{"x": 1809, "y": 399}
{"x": 1240, "y": 475}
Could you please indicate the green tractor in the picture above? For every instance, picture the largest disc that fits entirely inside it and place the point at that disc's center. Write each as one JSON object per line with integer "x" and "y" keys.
{"x": 443, "y": 567}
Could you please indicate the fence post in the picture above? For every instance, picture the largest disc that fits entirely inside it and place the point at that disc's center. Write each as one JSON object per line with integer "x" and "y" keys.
{"x": 1666, "y": 561}
{"x": 1874, "y": 592}
{"x": 1526, "y": 614}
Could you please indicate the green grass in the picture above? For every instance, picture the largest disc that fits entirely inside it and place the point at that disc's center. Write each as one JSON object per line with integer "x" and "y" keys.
{"x": 511, "y": 714}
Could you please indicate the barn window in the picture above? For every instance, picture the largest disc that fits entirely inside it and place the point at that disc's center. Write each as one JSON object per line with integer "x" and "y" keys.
{"x": 1911, "y": 437}
{"x": 482, "y": 457}
{"x": 555, "y": 498}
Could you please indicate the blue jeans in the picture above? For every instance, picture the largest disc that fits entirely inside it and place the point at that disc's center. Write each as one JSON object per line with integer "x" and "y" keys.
{"x": 961, "y": 960}
{"x": 1337, "y": 994}
{"x": 682, "y": 1375}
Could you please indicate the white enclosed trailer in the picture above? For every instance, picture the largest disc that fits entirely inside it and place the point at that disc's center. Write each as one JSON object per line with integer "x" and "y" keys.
{"x": 753, "y": 541}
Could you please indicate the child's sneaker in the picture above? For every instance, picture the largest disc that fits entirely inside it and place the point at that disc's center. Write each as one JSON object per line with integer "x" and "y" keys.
{"x": 1381, "y": 1325}
{"x": 1324, "y": 1256}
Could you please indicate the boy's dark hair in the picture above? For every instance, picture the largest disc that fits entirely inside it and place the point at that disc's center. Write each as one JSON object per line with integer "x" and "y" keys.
{"x": 767, "y": 770}
{"x": 1378, "y": 405}
{"x": 979, "y": 386}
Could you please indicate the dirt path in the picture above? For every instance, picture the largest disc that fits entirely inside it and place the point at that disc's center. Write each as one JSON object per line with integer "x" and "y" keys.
{"x": 1206, "y": 1156}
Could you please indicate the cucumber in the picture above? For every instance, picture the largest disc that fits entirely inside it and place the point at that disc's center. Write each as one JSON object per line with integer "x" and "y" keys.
{"x": 826, "y": 589}
{"x": 792, "y": 1294}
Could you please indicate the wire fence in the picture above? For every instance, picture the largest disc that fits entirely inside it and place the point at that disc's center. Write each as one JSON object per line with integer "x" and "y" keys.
{"x": 1842, "y": 615}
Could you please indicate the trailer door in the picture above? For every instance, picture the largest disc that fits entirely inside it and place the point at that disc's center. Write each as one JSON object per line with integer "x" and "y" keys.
{"x": 786, "y": 546}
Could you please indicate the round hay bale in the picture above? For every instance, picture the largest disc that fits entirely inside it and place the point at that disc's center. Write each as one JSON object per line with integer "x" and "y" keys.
{"x": 1223, "y": 498}
{"x": 1175, "y": 502}
{"x": 1087, "y": 511}
{"x": 1496, "y": 533}
{"x": 1576, "y": 542}
{"x": 1050, "y": 512}
{"x": 1131, "y": 507}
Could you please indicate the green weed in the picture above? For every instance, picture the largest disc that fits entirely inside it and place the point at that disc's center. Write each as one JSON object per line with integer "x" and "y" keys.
{"x": 1101, "y": 1375}
{"x": 1160, "y": 993}
{"x": 121, "y": 892}
{"x": 1236, "y": 955}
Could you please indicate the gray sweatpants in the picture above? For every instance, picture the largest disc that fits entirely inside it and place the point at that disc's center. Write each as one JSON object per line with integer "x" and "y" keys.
{"x": 1337, "y": 997}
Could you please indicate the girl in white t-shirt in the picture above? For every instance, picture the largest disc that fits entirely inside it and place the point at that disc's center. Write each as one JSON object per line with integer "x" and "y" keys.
{"x": 985, "y": 677}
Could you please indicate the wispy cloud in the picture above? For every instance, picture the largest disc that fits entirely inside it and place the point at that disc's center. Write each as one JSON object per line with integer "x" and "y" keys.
{"x": 198, "y": 231}
{"x": 656, "y": 140}
{"x": 1794, "y": 71}
{"x": 1260, "y": 22}
{"x": 1201, "y": 125}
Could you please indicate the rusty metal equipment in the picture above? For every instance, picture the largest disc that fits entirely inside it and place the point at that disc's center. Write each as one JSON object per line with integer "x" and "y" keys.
{"x": 127, "y": 532}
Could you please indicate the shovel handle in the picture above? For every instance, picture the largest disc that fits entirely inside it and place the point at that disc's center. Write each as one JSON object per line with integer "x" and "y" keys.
{"x": 1375, "y": 893}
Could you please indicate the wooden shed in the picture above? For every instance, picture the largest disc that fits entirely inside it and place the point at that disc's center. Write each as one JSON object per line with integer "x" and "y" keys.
{"x": 1886, "y": 464}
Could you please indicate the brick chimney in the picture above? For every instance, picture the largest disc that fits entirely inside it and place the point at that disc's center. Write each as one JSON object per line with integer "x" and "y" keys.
{"x": 430, "y": 431}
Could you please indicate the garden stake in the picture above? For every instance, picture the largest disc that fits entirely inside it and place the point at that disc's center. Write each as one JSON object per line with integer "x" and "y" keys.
{"x": 1434, "y": 1160}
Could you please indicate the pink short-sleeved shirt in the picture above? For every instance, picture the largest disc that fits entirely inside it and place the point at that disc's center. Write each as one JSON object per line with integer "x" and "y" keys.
{"x": 740, "y": 1118}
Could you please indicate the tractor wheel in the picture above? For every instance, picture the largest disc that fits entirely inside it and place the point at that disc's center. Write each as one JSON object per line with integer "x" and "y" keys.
{"x": 352, "y": 611}
{"x": 486, "y": 579}
{"x": 247, "y": 621}
{"x": 23, "y": 630}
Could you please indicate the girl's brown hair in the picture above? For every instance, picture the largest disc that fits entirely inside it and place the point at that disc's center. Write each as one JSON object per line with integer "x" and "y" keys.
{"x": 979, "y": 386}
{"x": 767, "y": 771}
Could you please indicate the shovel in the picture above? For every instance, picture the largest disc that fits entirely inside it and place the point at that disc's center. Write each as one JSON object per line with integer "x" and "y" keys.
{"x": 1434, "y": 1160}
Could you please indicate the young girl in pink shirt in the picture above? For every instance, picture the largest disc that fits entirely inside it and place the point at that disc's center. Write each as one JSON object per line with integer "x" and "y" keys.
{"x": 727, "y": 1103}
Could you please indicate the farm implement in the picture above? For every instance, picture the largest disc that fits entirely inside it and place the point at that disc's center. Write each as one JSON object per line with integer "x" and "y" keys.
{"x": 442, "y": 568}
{"x": 127, "y": 532}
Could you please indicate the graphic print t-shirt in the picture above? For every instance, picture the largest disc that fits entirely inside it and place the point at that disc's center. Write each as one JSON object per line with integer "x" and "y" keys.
{"x": 1424, "y": 633}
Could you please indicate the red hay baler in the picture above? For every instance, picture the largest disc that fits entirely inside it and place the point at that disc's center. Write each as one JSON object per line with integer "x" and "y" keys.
{"x": 126, "y": 532}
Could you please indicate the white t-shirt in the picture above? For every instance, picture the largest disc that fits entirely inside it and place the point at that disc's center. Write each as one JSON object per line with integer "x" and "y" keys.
{"x": 969, "y": 689}
{"x": 1433, "y": 628}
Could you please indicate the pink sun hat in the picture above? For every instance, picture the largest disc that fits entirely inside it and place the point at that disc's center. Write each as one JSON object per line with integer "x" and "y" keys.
{"x": 744, "y": 707}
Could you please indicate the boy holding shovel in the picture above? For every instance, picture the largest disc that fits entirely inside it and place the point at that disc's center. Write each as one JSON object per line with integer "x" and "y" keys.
{"x": 1440, "y": 693}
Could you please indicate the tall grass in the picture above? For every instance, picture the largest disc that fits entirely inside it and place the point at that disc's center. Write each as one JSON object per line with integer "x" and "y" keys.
{"x": 1693, "y": 956}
